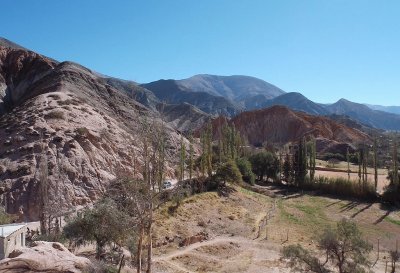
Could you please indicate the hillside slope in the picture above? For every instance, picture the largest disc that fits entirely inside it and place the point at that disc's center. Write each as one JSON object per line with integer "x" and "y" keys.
{"x": 281, "y": 125}
{"x": 169, "y": 91}
{"x": 235, "y": 88}
{"x": 363, "y": 114}
{"x": 297, "y": 102}
{"x": 87, "y": 130}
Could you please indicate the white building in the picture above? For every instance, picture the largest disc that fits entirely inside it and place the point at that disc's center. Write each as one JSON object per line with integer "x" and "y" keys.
{"x": 12, "y": 236}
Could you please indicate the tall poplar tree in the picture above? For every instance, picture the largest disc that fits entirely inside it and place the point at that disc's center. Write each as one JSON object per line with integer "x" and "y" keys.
{"x": 301, "y": 163}
{"x": 359, "y": 166}
{"x": 191, "y": 157}
{"x": 313, "y": 156}
{"x": 395, "y": 166}
{"x": 182, "y": 160}
{"x": 348, "y": 163}
{"x": 375, "y": 164}
{"x": 203, "y": 154}
{"x": 209, "y": 149}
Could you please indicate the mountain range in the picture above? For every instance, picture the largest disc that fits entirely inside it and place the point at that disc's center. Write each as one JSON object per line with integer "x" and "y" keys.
{"x": 87, "y": 125}
{"x": 231, "y": 95}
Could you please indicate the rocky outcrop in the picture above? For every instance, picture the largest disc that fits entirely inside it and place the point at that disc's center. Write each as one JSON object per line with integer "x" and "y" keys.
{"x": 364, "y": 114}
{"x": 280, "y": 125}
{"x": 171, "y": 92}
{"x": 183, "y": 117}
{"x": 44, "y": 257}
{"x": 88, "y": 131}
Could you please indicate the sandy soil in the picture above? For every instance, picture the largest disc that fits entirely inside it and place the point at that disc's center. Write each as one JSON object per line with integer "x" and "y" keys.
{"x": 237, "y": 229}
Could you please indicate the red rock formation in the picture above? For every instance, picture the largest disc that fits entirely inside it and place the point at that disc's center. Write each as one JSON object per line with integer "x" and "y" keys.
{"x": 279, "y": 124}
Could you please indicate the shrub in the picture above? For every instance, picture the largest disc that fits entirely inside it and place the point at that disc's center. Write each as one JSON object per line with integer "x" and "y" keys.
{"x": 83, "y": 131}
{"x": 4, "y": 217}
{"x": 228, "y": 172}
{"x": 392, "y": 191}
{"x": 329, "y": 156}
{"x": 245, "y": 169}
{"x": 343, "y": 247}
{"x": 102, "y": 224}
{"x": 68, "y": 102}
{"x": 54, "y": 115}
{"x": 341, "y": 187}
{"x": 54, "y": 96}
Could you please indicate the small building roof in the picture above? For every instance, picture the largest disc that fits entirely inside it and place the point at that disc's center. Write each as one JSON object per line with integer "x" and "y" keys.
{"x": 7, "y": 230}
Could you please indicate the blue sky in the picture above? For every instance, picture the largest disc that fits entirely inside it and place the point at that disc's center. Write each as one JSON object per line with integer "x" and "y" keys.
{"x": 325, "y": 49}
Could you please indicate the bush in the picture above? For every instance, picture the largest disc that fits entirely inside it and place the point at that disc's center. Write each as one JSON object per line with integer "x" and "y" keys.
{"x": 83, "y": 131}
{"x": 341, "y": 187}
{"x": 102, "y": 224}
{"x": 345, "y": 247}
{"x": 245, "y": 169}
{"x": 328, "y": 156}
{"x": 392, "y": 191}
{"x": 228, "y": 172}
{"x": 4, "y": 217}
{"x": 54, "y": 115}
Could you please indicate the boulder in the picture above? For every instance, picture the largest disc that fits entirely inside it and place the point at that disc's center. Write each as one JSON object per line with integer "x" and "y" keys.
{"x": 44, "y": 257}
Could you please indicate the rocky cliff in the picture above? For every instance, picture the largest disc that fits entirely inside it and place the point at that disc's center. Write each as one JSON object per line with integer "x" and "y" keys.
{"x": 87, "y": 130}
{"x": 280, "y": 125}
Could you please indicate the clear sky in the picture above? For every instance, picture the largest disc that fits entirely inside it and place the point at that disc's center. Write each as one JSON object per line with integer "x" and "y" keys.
{"x": 325, "y": 49}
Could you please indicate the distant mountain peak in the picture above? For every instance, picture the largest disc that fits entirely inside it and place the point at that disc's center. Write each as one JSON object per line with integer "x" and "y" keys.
{"x": 237, "y": 88}
{"x": 7, "y": 43}
{"x": 298, "y": 102}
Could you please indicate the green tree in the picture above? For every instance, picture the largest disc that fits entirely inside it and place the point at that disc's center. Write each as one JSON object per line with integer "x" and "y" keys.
{"x": 203, "y": 157}
{"x": 343, "y": 248}
{"x": 359, "y": 167}
{"x": 264, "y": 164}
{"x": 313, "y": 156}
{"x": 228, "y": 172}
{"x": 191, "y": 157}
{"x": 182, "y": 160}
{"x": 375, "y": 164}
{"x": 209, "y": 149}
{"x": 348, "y": 163}
{"x": 288, "y": 169}
{"x": 245, "y": 168}
{"x": 103, "y": 224}
{"x": 395, "y": 166}
{"x": 300, "y": 163}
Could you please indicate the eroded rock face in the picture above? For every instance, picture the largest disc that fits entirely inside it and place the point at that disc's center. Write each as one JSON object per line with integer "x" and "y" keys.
{"x": 44, "y": 257}
{"x": 281, "y": 125}
{"x": 88, "y": 132}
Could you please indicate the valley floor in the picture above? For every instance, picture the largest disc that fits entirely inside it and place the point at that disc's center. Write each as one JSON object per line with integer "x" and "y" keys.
{"x": 246, "y": 230}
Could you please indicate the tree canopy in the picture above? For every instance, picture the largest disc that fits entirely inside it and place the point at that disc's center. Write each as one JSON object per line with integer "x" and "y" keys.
{"x": 343, "y": 247}
{"x": 264, "y": 164}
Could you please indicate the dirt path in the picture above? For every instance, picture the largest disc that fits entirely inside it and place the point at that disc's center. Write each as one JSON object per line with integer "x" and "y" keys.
{"x": 247, "y": 256}
{"x": 186, "y": 250}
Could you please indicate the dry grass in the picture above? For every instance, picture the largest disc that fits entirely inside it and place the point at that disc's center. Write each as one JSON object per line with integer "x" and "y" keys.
{"x": 232, "y": 224}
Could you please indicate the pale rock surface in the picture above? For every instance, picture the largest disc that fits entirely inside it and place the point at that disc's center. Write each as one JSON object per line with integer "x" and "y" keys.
{"x": 44, "y": 257}
{"x": 89, "y": 131}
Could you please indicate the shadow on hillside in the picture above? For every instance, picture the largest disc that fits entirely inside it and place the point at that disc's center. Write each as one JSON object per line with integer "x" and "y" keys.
{"x": 389, "y": 209}
{"x": 361, "y": 210}
{"x": 333, "y": 203}
{"x": 380, "y": 219}
{"x": 349, "y": 206}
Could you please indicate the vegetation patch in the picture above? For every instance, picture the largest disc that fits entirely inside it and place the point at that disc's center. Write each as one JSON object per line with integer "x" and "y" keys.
{"x": 393, "y": 221}
{"x": 54, "y": 115}
{"x": 286, "y": 215}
